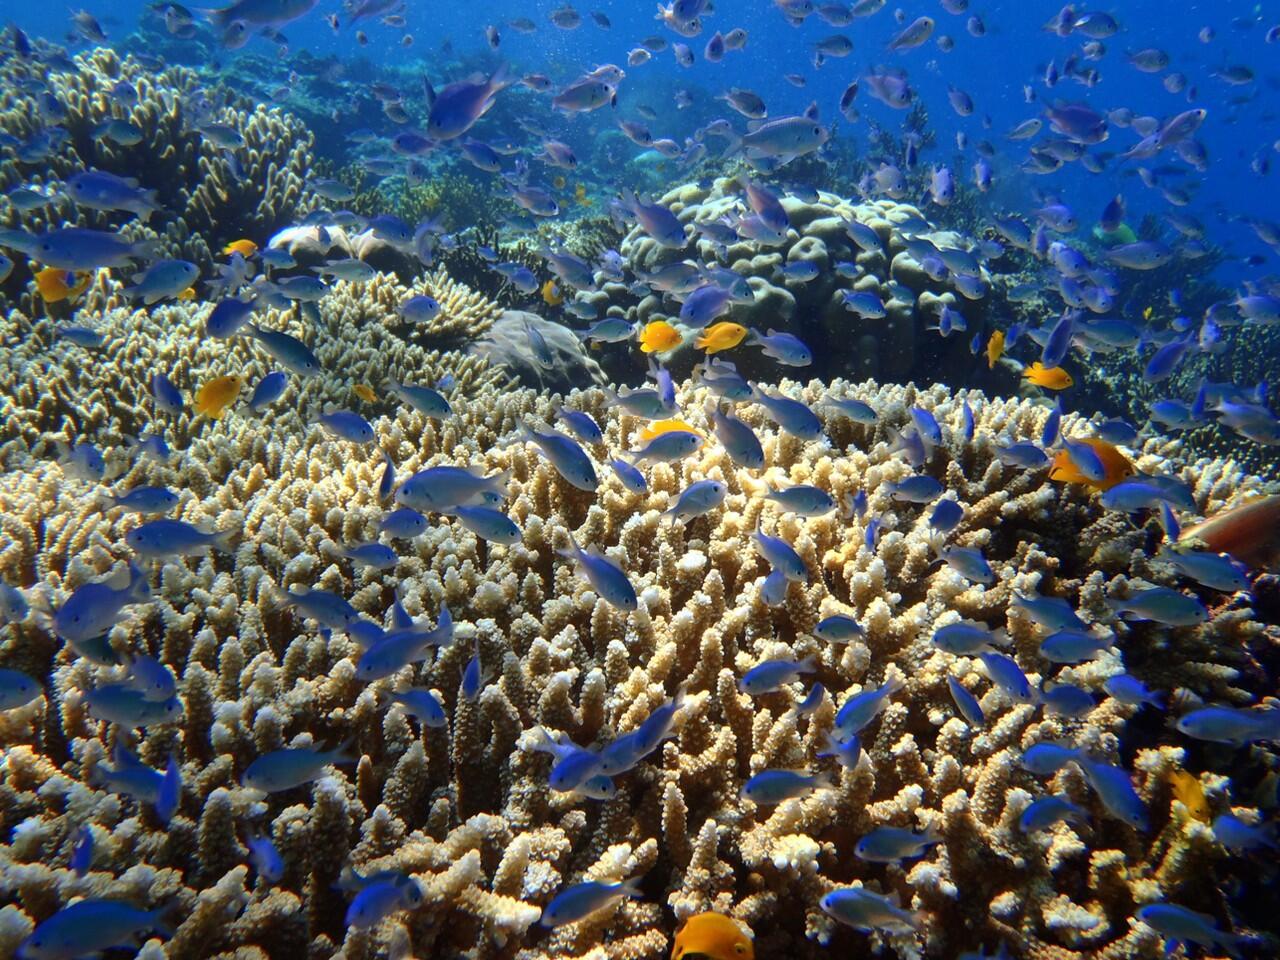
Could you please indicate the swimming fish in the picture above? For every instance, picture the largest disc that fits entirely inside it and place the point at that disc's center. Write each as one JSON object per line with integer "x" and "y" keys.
{"x": 1051, "y": 378}
{"x": 583, "y": 899}
{"x": 216, "y": 395}
{"x": 55, "y": 285}
{"x": 1115, "y": 465}
{"x": 995, "y": 348}
{"x": 659, "y": 337}
{"x": 712, "y": 936}
{"x": 606, "y": 578}
{"x": 720, "y": 336}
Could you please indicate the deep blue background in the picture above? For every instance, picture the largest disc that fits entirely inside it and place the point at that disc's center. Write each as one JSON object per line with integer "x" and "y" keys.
{"x": 992, "y": 69}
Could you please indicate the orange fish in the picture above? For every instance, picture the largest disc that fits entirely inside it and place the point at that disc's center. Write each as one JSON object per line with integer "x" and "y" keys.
{"x": 1051, "y": 378}
{"x": 246, "y": 248}
{"x": 714, "y": 936}
{"x": 214, "y": 397}
{"x": 364, "y": 393}
{"x": 551, "y": 294}
{"x": 658, "y": 337}
{"x": 188, "y": 294}
{"x": 580, "y": 194}
{"x": 995, "y": 349}
{"x": 658, "y": 427}
{"x": 56, "y": 285}
{"x": 1116, "y": 464}
{"x": 720, "y": 336}
{"x": 1187, "y": 788}
{"x": 1249, "y": 531}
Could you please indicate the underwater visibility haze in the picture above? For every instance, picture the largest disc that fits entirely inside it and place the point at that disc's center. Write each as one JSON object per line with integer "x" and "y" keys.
{"x": 750, "y": 478}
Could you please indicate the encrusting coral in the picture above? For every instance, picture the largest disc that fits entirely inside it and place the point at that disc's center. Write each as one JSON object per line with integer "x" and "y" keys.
{"x": 466, "y": 808}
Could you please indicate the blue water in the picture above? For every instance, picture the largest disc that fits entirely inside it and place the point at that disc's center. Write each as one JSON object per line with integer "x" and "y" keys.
{"x": 1240, "y": 131}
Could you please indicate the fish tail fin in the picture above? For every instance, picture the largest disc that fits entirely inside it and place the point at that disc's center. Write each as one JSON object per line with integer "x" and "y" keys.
{"x": 631, "y": 887}
{"x": 345, "y": 752}
{"x": 139, "y": 589}
{"x": 224, "y": 540}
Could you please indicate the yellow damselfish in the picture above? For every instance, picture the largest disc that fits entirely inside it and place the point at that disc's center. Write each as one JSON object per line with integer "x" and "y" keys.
{"x": 551, "y": 294}
{"x": 364, "y": 393}
{"x": 56, "y": 285}
{"x": 215, "y": 396}
{"x": 995, "y": 348}
{"x": 658, "y": 427}
{"x": 1116, "y": 464}
{"x": 658, "y": 337}
{"x": 721, "y": 336}
{"x": 246, "y": 248}
{"x": 714, "y": 936}
{"x": 1187, "y": 788}
{"x": 1051, "y": 378}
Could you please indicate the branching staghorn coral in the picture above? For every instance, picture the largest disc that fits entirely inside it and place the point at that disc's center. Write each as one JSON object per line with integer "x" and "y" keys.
{"x": 466, "y": 810}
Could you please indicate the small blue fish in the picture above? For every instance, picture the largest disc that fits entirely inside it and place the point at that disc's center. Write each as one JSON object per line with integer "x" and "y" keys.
{"x": 1047, "y": 811}
{"x": 867, "y": 911}
{"x": 291, "y": 767}
{"x": 630, "y": 477}
{"x": 1116, "y": 792}
{"x": 969, "y": 563}
{"x": 771, "y": 787}
{"x": 606, "y": 578}
{"x": 380, "y": 899}
{"x": 268, "y": 390}
{"x": 82, "y": 853}
{"x": 327, "y": 609}
{"x": 915, "y": 489}
{"x": 472, "y": 678}
{"x": 488, "y": 524}
{"x": 17, "y": 689}
{"x": 265, "y": 858}
{"x": 1053, "y": 613}
{"x": 403, "y": 524}
{"x": 13, "y": 604}
{"x": 839, "y": 629}
{"x": 892, "y": 844}
{"x": 1067, "y": 700}
{"x": 564, "y": 453}
{"x": 151, "y": 678}
{"x": 167, "y": 397}
{"x": 1130, "y": 690}
{"x": 1007, "y": 675}
{"x": 1240, "y": 837}
{"x": 772, "y": 675}
{"x": 387, "y": 483}
{"x": 699, "y": 498}
{"x": 377, "y": 556}
{"x": 792, "y": 416}
{"x": 145, "y": 500}
{"x": 860, "y": 709}
{"x": 227, "y": 318}
{"x": 583, "y": 899}
{"x": 290, "y": 352}
{"x": 1046, "y": 759}
{"x": 346, "y": 425}
{"x": 855, "y": 410}
{"x": 425, "y": 400}
{"x": 812, "y": 700}
{"x": 164, "y": 539}
{"x": 738, "y": 440}
{"x": 423, "y": 705}
{"x": 802, "y": 499}
{"x": 785, "y": 348}
{"x": 89, "y": 927}
{"x": 946, "y": 516}
{"x": 1230, "y": 725}
{"x": 668, "y": 447}
{"x": 845, "y": 752}
{"x": 402, "y": 647}
{"x": 437, "y": 488}
{"x": 966, "y": 703}
{"x": 1162, "y": 605}
{"x": 94, "y": 608}
{"x": 83, "y": 462}
{"x": 419, "y": 309}
{"x": 773, "y": 590}
{"x": 1073, "y": 646}
{"x": 121, "y": 704}
{"x": 967, "y": 638}
{"x": 781, "y": 556}
{"x": 1179, "y": 926}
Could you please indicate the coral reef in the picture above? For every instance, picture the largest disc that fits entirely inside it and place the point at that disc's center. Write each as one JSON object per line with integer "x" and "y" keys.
{"x": 894, "y": 347}
{"x": 466, "y": 809}
{"x": 209, "y": 194}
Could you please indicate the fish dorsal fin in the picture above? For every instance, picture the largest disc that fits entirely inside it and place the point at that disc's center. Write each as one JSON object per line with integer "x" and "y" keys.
{"x": 811, "y": 111}
{"x": 431, "y": 93}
